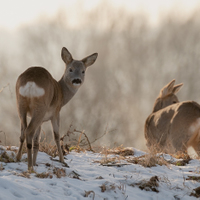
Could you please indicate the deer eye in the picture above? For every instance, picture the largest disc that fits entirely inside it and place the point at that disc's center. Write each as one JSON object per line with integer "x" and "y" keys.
{"x": 70, "y": 70}
{"x": 174, "y": 102}
{"x": 83, "y": 72}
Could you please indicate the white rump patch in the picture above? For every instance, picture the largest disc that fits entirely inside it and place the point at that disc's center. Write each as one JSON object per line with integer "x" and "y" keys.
{"x": 192, "y": 153}
{"x": 31, "y": 90}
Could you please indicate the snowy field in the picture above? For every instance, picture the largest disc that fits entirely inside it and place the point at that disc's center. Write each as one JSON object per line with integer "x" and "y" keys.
{"x": 99, "y": 176}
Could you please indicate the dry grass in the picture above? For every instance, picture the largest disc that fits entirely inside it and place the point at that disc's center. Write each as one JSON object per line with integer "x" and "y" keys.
{"x": 149, "y": 160}
{"x": 4, "y": 157}
{"x": 74, "y": 175}
{"x": 44, "y": 175}
{"x": 78, "y": 140}
{"x": 78, "y": 143}
{"x": 121, "y": 151}
{"x": 48, "y": 148}
{"x": 112, "y": 186}
{"x": 115, "y": 156}
{"x": 194, "y": 178}
{"x": 122, "y": 154}
{"x": 196, "y": 192}
{"x": 156, "y": 158}
{"x": 87, "y": 193}
{"x": 148, "y": 185}
{"x": 59, "y": 172}
{"x": 25, "y": 174}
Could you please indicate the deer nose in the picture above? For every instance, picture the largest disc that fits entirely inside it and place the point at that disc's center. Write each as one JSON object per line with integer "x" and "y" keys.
{"x": 77, "y": 81}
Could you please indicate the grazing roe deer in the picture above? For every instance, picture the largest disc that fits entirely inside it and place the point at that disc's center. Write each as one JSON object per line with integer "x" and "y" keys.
{"x": 41, "y": 97}
{"x": 173, "y": 126}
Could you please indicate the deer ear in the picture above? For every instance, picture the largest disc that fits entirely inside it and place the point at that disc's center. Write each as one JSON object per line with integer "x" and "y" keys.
{"x": 66, "y": 55}
{"x": 176, "y": 88}
{"x": 167, "y": 89}
{"x": 89, "y": 60}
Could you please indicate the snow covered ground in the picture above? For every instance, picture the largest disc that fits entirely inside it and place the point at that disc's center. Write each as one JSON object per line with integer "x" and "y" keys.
{"x": 87, "y": 178}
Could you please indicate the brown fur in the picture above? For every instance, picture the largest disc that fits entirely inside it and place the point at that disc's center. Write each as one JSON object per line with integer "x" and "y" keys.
{"x": 47, "y": 105}
{"x": 173, "y": 126}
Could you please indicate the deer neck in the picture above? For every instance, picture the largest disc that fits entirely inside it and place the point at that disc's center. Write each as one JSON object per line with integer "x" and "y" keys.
{"x": 67, "y": 91}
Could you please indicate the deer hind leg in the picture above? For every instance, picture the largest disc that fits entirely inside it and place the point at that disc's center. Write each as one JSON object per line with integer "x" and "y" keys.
{"x": 192, "y": 144}
{"x": 22, "y": 137}
{"x": 33, "y": 126}
{"x": 36, "y": 144}
{"x": 55, "y": 126}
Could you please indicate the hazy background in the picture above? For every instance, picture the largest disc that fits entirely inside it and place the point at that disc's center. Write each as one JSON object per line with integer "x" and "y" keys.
{"x": 142, "y": 45}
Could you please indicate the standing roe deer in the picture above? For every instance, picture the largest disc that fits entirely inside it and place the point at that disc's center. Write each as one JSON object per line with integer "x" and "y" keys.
{"x": 173, "y": 126}
{"x": 41, "y": 97}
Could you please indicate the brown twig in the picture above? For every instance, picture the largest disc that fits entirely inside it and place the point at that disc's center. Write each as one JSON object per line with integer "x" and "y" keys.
{"x": 83, "y": 133}
{"x": 105, "y": 132}
{"x": 69, "y": 131}
{"x": 67, "y": 134}
{"x": 79, "y": 139}
{"x": 4, "y": 87}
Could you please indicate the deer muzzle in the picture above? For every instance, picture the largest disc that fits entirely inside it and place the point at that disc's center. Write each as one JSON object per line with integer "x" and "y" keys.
{"x": 77, "y": 81}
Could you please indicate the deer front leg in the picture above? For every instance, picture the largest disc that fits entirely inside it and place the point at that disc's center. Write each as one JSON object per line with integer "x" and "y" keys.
{"x": 36, "y": 144}
{"x": 55, "y": 124}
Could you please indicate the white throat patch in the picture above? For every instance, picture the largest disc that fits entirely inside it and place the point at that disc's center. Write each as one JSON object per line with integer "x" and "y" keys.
{"x": 31, "y": 90}
{"x": 76, "y": 84}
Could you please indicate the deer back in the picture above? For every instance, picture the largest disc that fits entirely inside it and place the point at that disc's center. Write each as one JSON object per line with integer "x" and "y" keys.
{"x": 158, "y": 124}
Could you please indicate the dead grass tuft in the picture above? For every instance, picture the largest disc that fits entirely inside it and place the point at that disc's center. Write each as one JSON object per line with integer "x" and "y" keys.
{"x": 99, "y": 177}
{"x": 112, "y": 186}
{"x": 181, "y": 155}
{"x": 87, "y": 193}
{"x": 78, "y": 149}
{"x": 74, "y": 175}
{"x": 121, "y": 151}
{"x": 193, "y": 178}
{"x": 149, "y": 160}
{"x": 181, "y": 162}
{"x": 59, "y": 172}
{"x": 196, "y": 192}
{"x": 6, "y": 158}
{"x": 44, "y": 175}
{"x": 103, "y": 187}
{"x": 150, "y": 185}
{"x": 25, "y": 174}
{"x": 48, "y": 148}
{"x": 109, "y": 160}
{"x": 78, "y": 140}
{"x": 78, "y": 143}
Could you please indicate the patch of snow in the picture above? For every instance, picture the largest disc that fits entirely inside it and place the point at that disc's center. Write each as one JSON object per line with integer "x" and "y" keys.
{"x": 85, "y": 179}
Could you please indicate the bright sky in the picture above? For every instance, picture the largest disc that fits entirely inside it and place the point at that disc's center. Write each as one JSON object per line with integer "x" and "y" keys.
{"x": 14, "y": 13}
